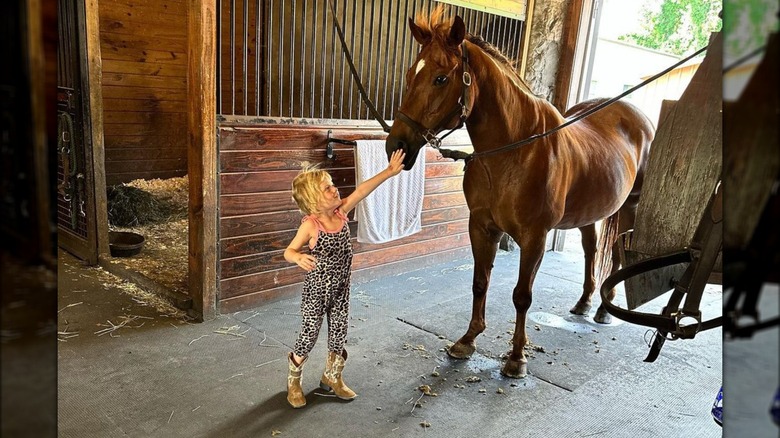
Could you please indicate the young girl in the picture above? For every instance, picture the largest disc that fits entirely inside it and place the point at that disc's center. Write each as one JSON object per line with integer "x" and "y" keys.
{"x": 328, "y": 272}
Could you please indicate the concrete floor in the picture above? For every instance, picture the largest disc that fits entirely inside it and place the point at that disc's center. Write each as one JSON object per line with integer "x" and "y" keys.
{"x": 28, "y": 349}
{"x": 162, "y": 376}
{"x": 751, "y": 370}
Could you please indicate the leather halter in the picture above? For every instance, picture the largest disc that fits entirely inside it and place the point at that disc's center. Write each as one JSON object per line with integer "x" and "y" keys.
{"x": 463, "y": 108}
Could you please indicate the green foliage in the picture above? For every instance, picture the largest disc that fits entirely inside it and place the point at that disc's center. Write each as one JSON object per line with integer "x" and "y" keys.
{"x": 746, "y": 24}
{"x": 677, "y": 26}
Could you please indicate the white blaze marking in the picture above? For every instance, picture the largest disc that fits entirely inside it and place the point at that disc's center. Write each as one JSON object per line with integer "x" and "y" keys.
{"x": 420, "y": 65}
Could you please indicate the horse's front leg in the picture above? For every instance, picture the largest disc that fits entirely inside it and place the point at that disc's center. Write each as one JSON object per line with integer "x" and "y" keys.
{"x": 484, "y": 244}
{"x": 531, "y": 252}
{"x": 589, "y": 239}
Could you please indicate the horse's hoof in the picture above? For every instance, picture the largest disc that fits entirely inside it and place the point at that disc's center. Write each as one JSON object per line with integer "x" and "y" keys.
{"x": 602, "y": 316}
{"x": 461, "y": 351}
{"x": 580, "y": 308}
{"x": 514, "y": 369}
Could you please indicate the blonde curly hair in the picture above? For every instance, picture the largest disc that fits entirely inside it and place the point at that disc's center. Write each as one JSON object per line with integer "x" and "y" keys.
{"x": 306, "y": 190}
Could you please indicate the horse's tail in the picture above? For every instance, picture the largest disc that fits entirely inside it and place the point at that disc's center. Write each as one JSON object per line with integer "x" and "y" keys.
{"x": 607, "y": 237}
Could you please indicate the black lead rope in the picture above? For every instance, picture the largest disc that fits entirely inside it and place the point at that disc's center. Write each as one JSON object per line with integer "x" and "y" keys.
{"x": 586, "y": 113}
{"x": 744, "y": 59}
{"x": 355, "y": 75}
{"x": 468, "y": 157}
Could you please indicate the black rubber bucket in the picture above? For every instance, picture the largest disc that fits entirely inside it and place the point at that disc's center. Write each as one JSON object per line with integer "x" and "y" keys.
{"x": 124, "y": 243}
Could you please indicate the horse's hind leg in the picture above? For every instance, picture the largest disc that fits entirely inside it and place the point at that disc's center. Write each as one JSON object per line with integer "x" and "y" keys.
{"x": 589, "y": 285}
{"x": 627, "y": 215}
{"x": 484, "y": 244}
{"x": 531, "y": 253}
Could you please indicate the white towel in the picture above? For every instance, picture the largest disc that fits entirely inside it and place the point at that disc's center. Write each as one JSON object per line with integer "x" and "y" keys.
{"x": 392, "y": 211}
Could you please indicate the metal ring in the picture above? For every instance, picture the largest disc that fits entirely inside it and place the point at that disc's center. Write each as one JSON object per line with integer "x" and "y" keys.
{"x": 431, "y": 139}
{"x": 466, "y": 78}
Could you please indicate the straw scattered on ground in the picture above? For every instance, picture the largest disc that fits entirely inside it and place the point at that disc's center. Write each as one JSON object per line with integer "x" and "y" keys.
{"x": 139, "y": 295}
{"x": 165, "y": 241}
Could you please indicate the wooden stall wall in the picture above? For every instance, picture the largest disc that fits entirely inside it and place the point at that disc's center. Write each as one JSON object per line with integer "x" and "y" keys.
{"x": 144, "y": 52}
{"x": 258, "y": 218}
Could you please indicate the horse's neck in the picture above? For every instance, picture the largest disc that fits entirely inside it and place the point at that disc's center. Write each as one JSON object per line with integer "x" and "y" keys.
{"x": 504, "y": 112}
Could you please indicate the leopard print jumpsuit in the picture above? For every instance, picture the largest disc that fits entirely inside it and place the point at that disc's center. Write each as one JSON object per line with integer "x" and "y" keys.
{"x": 326, "y": 289}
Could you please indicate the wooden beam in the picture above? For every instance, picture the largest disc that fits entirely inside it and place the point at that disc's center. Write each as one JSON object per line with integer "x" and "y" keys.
{"x": 202, "y": 156}
{"x": 568, "y": 51}
{"x": 506, "y": 8}
{"x": 529, "y": 21}
{"x": 41, "y": 236}
{"x": 94, "y": 99}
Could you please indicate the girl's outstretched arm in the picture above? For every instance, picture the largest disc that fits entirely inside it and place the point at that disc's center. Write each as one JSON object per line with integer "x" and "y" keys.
{"x": 394, "y": 167}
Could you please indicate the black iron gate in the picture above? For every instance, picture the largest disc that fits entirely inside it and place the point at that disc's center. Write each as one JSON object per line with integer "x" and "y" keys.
{"x": 75, "y": 200}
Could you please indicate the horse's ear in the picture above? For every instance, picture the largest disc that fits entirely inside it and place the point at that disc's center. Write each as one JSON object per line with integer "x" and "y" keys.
{"x": 457, "y": 32}
{"x": 420, "y": 35}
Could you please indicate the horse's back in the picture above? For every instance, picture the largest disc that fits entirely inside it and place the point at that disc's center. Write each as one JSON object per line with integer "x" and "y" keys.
{"x": 621, "y": 115}
{"x": 609, "y": 150}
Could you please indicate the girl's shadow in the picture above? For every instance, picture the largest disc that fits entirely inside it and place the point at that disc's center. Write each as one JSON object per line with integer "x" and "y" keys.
{"x": 273, "y": 413}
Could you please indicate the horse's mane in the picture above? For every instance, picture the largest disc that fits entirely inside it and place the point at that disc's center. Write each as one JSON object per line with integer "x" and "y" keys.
{"x": 492, "y": 50}
{"x": 438, "y": 26}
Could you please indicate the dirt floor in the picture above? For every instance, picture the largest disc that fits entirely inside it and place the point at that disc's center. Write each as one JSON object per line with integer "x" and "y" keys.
{"x": 165, "y": 247}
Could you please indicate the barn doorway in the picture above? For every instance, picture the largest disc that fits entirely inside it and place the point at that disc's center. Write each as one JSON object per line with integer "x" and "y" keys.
{"x": 607, "y": 63}
{"x": 612, "y": 61}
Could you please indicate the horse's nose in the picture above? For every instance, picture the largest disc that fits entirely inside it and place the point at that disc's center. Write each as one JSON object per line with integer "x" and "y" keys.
{"x": 394, "y": 144}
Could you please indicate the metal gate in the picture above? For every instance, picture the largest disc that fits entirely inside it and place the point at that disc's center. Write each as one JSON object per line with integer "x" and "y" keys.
{"x": 77, "y": 231}
{"x": 292, "y": 64}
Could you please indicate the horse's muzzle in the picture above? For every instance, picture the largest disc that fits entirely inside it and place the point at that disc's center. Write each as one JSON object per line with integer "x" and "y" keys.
{"x": 393, "y": 143}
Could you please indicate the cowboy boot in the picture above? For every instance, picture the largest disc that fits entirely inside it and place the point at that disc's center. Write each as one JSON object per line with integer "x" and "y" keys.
{"x": 331, "y": 378}
{"x": 295, "y": 395}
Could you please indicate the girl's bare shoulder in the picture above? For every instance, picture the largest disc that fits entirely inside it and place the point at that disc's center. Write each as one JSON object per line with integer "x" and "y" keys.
{"x": 308, "y": 226}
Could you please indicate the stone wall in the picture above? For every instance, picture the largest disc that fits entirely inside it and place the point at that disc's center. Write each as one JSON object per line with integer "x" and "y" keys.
{"x": 549, "y": 18}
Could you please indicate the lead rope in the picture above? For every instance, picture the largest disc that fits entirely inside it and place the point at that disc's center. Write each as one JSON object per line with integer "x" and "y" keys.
{"x": 586, "y": 113}
{"x": 458, "y": 155}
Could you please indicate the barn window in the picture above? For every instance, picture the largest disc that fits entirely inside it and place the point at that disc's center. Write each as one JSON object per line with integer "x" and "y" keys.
{"x": 292, "y": 63}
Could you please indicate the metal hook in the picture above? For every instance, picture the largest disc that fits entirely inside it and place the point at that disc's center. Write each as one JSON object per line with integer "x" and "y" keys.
{"x": 329, "y": 148}
{"x": 329, "y": 152}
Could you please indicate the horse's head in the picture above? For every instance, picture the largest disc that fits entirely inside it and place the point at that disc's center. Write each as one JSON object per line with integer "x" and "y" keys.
{"x": 434, "y": 86}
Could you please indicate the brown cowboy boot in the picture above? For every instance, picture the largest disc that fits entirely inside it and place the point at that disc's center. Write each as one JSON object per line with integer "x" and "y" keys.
{"x": 295, "y": 395}
{"x": 331, "y": 378}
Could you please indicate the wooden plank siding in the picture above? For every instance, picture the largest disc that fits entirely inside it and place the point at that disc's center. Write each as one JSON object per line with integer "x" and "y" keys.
{"x": 258, "y": 218}
{"x": 143, "y": 45}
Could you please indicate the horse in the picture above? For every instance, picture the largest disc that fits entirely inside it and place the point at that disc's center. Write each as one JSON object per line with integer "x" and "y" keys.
{"x": 589, "y": 171}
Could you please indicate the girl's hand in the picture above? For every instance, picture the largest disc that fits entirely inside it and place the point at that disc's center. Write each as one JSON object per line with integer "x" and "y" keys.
{"x": 306, "y": 262}
{"x": 395, "y": 166}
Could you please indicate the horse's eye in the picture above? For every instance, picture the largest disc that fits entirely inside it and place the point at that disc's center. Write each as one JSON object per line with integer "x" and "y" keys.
{"x": 440, "y": 80}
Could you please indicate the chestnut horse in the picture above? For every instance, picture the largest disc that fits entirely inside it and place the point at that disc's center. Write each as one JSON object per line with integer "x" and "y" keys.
{"x": 572, "y": 178}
